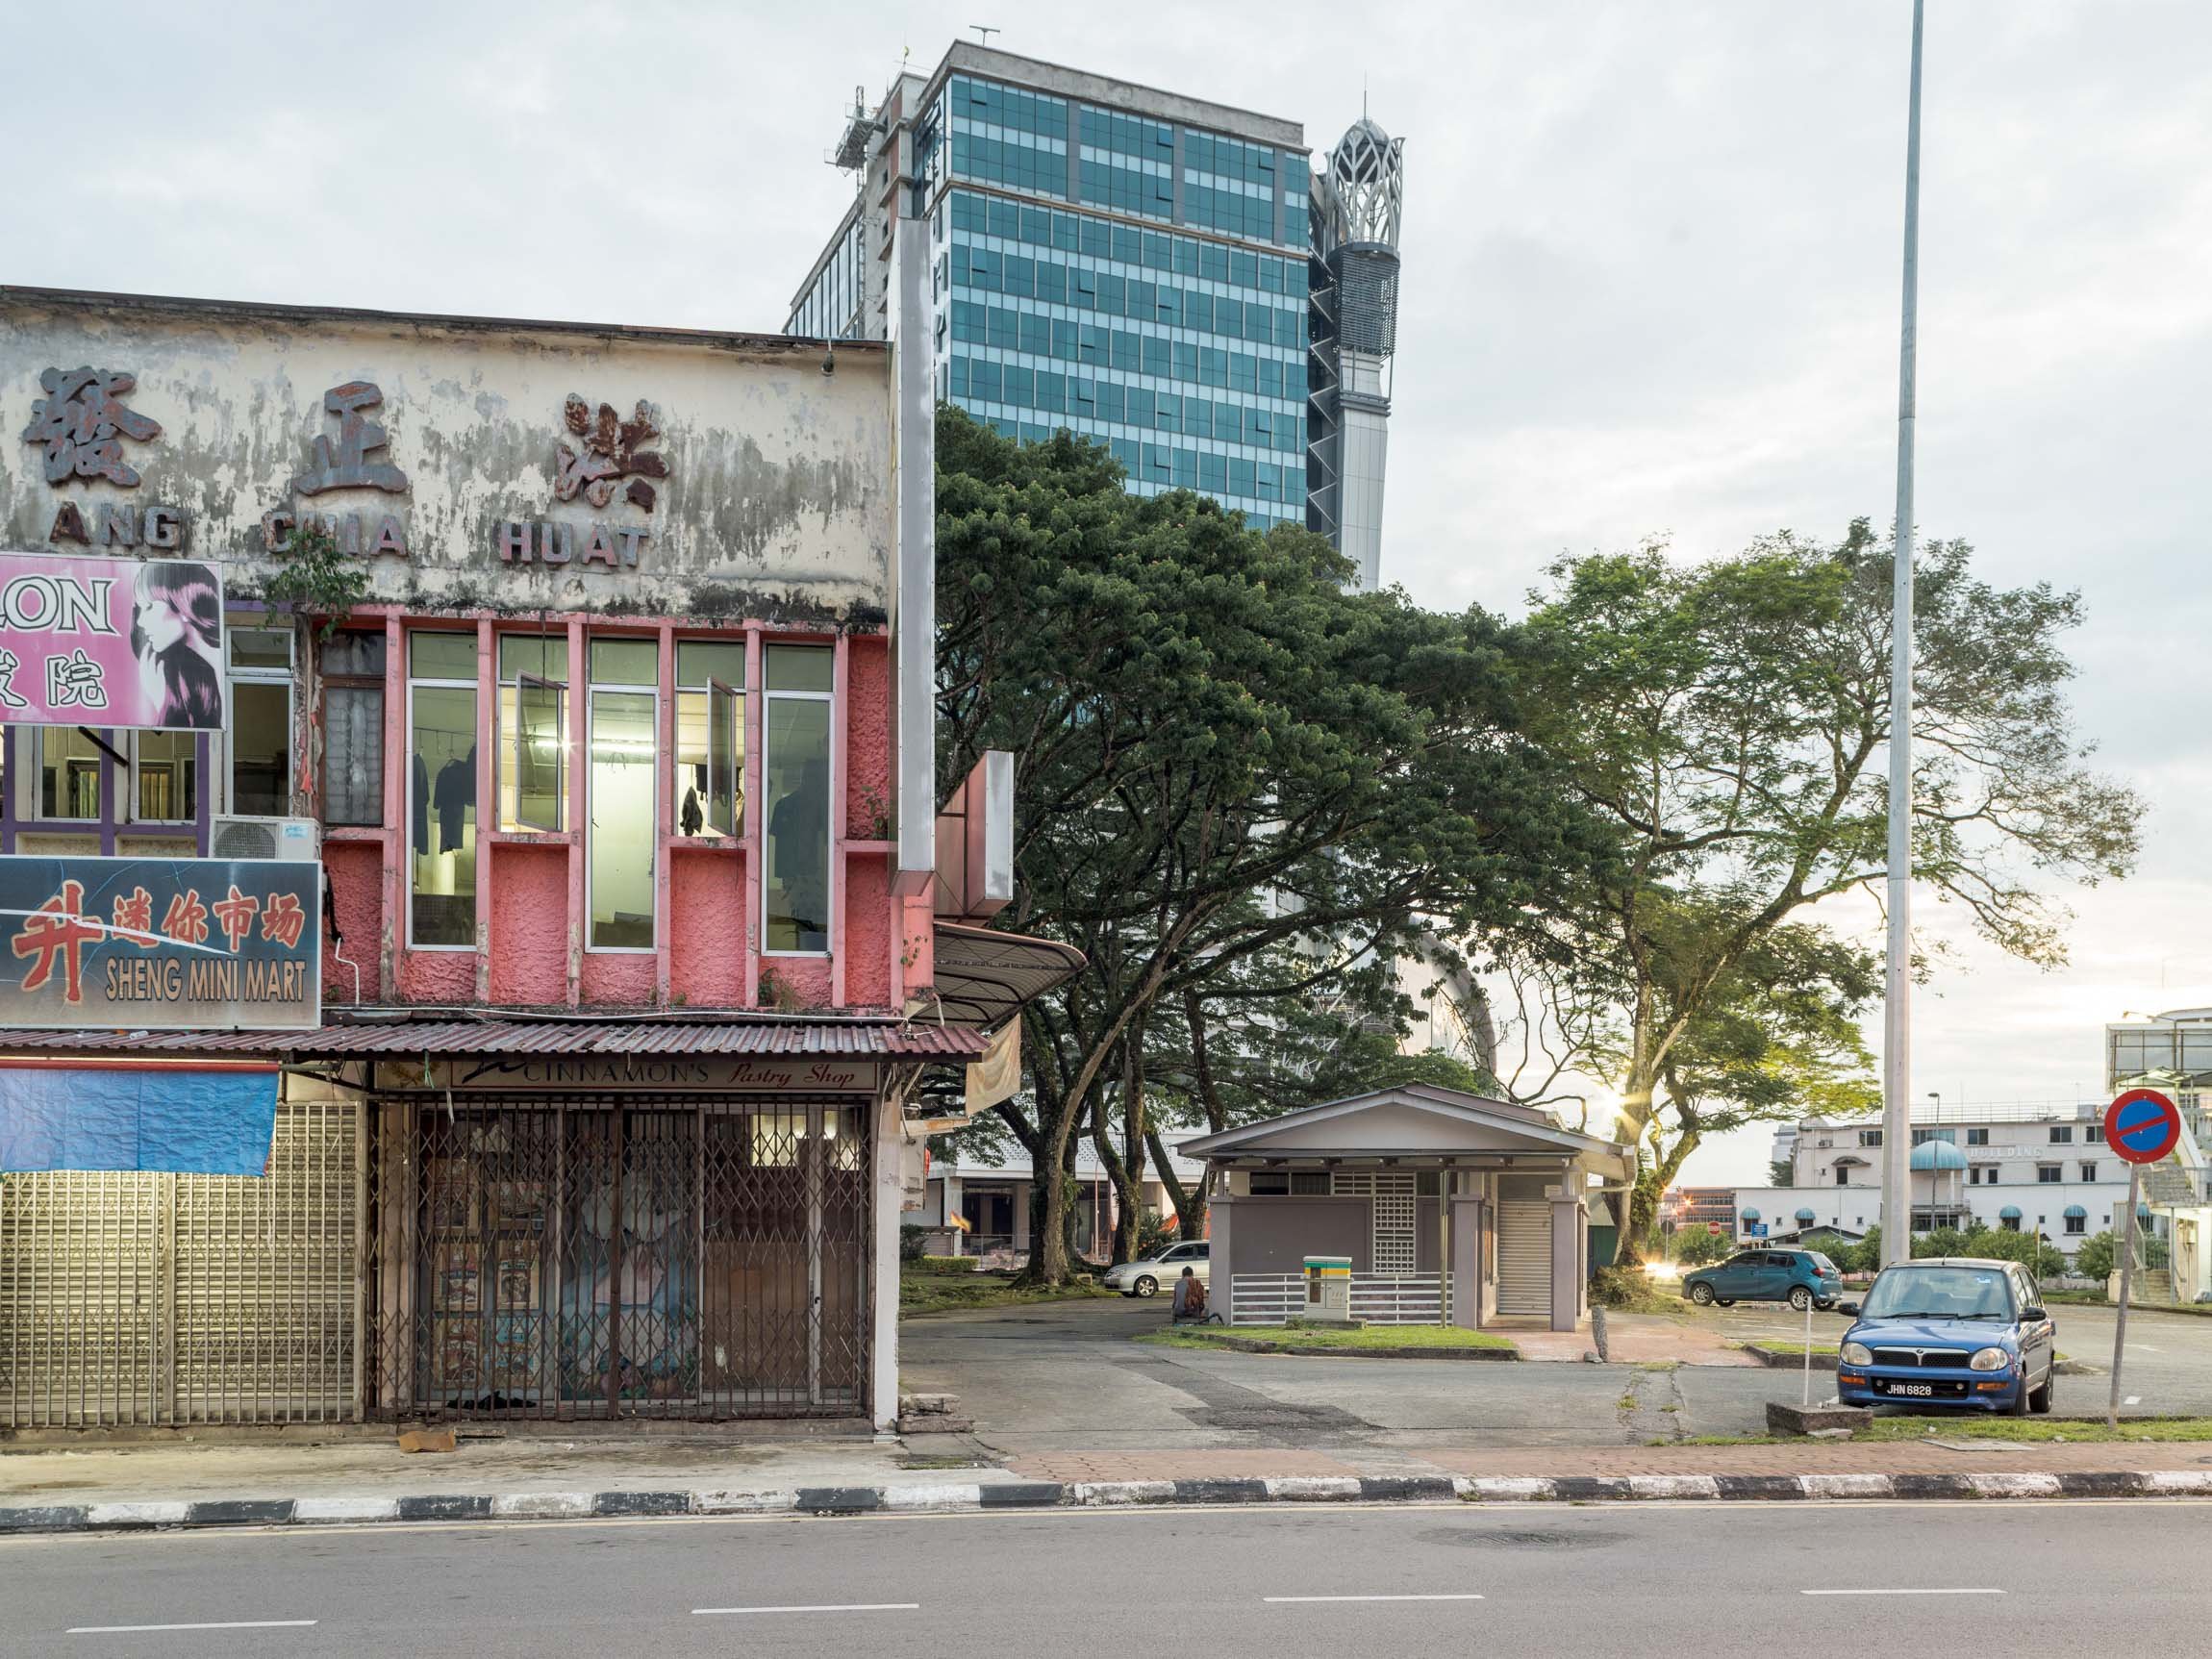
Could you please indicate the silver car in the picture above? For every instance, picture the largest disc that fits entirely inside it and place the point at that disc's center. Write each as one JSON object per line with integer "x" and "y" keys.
{"x": 1147, "y": 1277}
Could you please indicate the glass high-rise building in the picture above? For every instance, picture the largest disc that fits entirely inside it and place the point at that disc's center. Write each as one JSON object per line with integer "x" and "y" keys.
{"x": 1137, "y": 267}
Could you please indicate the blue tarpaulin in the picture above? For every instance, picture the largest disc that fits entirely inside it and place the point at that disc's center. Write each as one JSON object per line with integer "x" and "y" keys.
{"x": 193, "y": 1121}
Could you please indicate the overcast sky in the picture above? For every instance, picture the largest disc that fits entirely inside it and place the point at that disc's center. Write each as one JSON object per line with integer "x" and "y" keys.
{"x": 1651, "y": 285}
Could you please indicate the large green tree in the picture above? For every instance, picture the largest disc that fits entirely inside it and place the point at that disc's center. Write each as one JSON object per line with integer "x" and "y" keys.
{"x": 1200, "y": 714}
{"x": 1730, "y": 721}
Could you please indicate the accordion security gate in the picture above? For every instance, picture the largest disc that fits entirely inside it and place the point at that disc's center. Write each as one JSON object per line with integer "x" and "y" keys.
{"x": 604, "y": 1256}
{"x": 140, "y": 1299}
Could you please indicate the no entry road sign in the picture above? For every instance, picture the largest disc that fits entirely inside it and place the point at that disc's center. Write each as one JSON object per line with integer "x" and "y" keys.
{"x": 2142, "y": 1126}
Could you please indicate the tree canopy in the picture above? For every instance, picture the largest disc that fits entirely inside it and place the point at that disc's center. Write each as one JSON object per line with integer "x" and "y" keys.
{"x": 1729, "y": 721}
{"x": 1233, "y": 777}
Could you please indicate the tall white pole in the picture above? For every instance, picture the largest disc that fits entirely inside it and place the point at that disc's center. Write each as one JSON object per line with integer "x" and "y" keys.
{"x": 1897, "y": 1000}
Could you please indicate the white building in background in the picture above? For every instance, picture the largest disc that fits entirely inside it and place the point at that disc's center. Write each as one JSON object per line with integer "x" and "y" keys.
{"x": 2173, "y": 1052}
{"x": 2022, "y": 1170}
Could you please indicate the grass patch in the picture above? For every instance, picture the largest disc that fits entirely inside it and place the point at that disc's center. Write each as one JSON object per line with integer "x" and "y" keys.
{"x": 2035, "y": 1432}
{"x": 1363, "y": 1338}
{"x": 924, "y": 1292}
{"x": 1798, "y": 1348}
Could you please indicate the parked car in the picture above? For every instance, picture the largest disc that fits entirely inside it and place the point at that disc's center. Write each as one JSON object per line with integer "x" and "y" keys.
{"x": 1949, "y": 1331}
{"x": 1145, "y": 1278}
{"x": 1802, "y": 1278}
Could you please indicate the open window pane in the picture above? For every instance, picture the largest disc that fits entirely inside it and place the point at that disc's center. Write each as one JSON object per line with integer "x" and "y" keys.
{"x": 623, "y": 808}
{"x": 796, "y": 889}
{"x": 541, "y": 753}
{"x": 725, "y": 754}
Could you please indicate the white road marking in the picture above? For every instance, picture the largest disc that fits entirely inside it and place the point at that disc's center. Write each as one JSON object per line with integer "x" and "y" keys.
{"x": 1900, "y": 1592}
{"x": 824, "y": 1607}
{"x": 226, "y": 1624}
{"x": 1370, "y": 1598}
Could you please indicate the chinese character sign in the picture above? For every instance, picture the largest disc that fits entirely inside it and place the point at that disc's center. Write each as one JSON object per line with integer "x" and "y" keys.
{"x": 111, "y": 642}
{"x": 161, "y": 944}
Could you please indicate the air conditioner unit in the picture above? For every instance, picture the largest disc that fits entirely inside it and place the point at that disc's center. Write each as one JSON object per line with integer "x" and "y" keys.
{"x": 292, "y": 839}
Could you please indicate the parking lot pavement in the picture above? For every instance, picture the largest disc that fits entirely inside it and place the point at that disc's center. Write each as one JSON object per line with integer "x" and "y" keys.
{"x": 1063, "y": 1375}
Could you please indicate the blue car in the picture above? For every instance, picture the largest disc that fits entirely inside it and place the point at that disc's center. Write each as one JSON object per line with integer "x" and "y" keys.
{"x": 1802, "y": 1278}
{"x": 1953, "y": 1332}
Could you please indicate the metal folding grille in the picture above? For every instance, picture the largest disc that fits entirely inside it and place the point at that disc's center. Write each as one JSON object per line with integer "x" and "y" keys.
{"x": 616, "y": 1256}
{"x": 134, "y": 1299}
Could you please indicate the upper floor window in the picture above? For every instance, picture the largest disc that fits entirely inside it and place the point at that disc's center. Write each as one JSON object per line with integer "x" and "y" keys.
{"x": 167, "y": 776}
{"x": 624, "y": 736}
{"x": 1870, "y": 1137}
{"x": 2095, "y": 1133}
{"x": 708, "y": 785}
{"x": 534, "y": 731}
{"x": 259, "y": 732}
{"x": 442, "y": 791}
{"x": 1978, "y": 1137}
{"x": 795, "y": 778}
{"x": 2061, "y": 1134}
{"x": 353, "y": 729}
{"x": 2050, "y": 1172}
{"x": 2089, "y": 1170}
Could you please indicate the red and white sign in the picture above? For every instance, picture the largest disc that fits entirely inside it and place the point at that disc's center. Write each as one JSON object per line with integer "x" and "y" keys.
{"x": 111, "y": 642}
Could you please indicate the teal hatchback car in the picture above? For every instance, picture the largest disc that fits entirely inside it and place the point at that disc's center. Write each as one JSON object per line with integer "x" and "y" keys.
{"x": 1802, "y": 1278}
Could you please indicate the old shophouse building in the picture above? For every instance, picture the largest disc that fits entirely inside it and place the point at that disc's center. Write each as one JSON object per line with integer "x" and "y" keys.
{"x": 617, "y": 767}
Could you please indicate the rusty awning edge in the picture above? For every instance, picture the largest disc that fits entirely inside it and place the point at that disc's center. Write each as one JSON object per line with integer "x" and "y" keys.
{"x": 886, "y": 1039}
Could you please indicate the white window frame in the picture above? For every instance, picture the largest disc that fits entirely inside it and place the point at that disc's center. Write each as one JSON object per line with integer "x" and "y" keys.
{"x": 507, "y": 753}
{"x": 407, "y": 760}
{"x": 836, "y": 883}
{"x": 592, "y": 691}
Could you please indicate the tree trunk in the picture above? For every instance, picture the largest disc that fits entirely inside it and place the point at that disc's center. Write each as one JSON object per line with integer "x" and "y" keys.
{"x": 1126, "y": 1191}
{"x": 1190, "y": 1202}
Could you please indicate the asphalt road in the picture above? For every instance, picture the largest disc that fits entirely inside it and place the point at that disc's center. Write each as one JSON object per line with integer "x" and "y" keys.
{"x": 2043, "y": 1578}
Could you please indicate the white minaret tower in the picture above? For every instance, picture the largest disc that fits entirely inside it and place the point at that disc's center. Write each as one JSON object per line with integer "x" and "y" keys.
{"x": 1354, "y": 305}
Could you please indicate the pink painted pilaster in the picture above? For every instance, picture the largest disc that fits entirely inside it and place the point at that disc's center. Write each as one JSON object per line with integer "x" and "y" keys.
{"x": 396, "y": 770}
{"x": 841, "y": 810}
{"x": 579, "y": 804}
{"x": 754, "y": 815}
{"x": 487, "y": 802}
{"x": 664, "y": 819}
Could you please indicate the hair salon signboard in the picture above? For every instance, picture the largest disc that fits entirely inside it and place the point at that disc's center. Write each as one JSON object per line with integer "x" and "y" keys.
{"x": 111, "y": 642}
{"x": 160, "y": 945}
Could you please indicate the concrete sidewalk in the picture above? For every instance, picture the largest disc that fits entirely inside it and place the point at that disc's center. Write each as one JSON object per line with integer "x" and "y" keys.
{"x": 180, "y": 1485}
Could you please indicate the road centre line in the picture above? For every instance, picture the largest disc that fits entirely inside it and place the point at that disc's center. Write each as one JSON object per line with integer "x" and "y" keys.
{"x": 1290, "y": 1599}
{"x": 1901, "y": 1591}
{"x": 823, "y": 1607}
{"x": 224, "y": 1625}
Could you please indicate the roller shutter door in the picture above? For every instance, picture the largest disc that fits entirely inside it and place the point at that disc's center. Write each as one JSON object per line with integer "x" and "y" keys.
{"x": 1524, "y": 1257}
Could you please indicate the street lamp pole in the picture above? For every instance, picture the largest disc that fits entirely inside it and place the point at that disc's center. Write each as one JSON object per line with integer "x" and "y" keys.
{"x": 1897, "y": 999}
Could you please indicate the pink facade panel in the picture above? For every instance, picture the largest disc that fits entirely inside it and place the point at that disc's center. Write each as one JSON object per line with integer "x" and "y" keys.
{"x": 529, "y": 925}
{"x": 707, "y": 929}
{"x": 867, "y": 742}
{"x": 356, "y": 871}
{"x": 438, "y": 976}
{"x": 620, "y": 979}
{"x": 868, "y": 932}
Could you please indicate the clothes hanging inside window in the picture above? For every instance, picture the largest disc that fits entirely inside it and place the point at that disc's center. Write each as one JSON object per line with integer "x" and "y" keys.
{"x": 455, "y": 799}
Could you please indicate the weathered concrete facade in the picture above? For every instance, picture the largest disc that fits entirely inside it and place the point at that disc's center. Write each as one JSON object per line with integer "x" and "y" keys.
{"x": 775, "y": 503}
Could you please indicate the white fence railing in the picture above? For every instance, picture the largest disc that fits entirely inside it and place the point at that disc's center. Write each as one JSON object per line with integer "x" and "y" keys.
{"x": 1379, "y": 1299}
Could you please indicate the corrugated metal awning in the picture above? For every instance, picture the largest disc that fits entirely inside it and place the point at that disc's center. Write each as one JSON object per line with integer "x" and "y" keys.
{"x": 884, "y": 1039}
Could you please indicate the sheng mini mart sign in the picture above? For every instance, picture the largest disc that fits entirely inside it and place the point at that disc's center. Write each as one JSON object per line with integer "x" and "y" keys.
{"x": 161, "y": 945}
